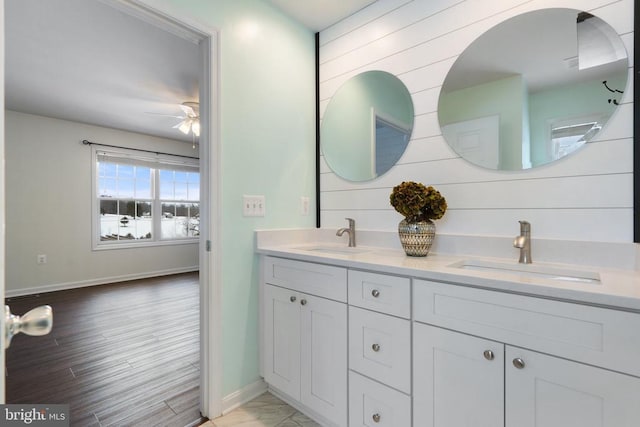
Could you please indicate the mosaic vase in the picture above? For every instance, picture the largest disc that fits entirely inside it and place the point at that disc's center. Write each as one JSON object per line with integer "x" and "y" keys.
{"x": 416, "y": 237}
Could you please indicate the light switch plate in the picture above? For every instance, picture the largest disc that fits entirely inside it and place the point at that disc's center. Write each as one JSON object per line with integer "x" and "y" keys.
{"x": 304, "y": 205}
{"x": 253, "y": 205}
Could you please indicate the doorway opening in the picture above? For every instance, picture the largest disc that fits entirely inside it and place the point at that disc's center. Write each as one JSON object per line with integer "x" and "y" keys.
{"x": 105, "y": 126}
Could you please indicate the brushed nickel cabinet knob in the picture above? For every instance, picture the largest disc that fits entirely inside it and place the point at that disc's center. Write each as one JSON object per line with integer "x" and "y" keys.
{"x": 518, "y": 363}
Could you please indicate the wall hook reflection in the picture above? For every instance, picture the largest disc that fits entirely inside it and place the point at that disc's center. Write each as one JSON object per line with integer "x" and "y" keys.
{"x": 612, "y": 100}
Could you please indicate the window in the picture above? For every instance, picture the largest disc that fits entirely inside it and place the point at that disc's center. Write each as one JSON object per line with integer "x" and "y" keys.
{"x": 179, "y": 219}
{"x": 138, "y": 200}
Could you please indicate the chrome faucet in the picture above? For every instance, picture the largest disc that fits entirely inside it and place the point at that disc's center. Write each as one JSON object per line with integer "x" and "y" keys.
{"x": 523, "y": 242}
{"x": 351, "y": 230}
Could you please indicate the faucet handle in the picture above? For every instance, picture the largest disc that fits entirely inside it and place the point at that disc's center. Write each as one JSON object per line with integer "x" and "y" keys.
{"x": 352, "y": 222}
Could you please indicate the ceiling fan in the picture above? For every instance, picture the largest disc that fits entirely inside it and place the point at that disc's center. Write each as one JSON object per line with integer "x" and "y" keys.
{"x": 190, "y": 118}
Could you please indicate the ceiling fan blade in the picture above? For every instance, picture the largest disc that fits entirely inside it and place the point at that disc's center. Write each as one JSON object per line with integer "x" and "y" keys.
{"x": 195, "y": 127}
{"x": 165, "y": 115}
{"x": 177, "y": 125}
{"x": 188, "y": 110}
{"x": 185, "y": 125}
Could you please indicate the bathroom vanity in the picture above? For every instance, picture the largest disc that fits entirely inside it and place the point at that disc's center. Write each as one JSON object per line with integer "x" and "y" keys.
{"x": 367, "y": 336}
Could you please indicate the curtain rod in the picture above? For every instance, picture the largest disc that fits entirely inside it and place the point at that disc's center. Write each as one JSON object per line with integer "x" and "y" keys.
{"x": 87, "y": 142}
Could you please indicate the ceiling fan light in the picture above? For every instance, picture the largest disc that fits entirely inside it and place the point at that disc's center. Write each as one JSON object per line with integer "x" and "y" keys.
{"x": 185, "y": 126}
{"x": 195, "y": 127}
{"x": 190, "y": 109}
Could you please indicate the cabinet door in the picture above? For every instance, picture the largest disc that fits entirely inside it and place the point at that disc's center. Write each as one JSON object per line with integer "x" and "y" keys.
{"x": 545, "y": 391}
{"x": 282, "y": 339}
{"x": 458, "y": 379}
{"x": 324, "y": 357}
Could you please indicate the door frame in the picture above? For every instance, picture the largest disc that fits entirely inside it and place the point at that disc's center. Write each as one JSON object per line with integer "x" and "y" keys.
{"x": 210, "y": 191}
{"x": 210, "y": 213}
{"x": 2, "y": 206}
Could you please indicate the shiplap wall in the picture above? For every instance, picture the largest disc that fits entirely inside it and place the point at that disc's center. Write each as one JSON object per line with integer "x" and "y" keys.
{"x": 586, "y": 196}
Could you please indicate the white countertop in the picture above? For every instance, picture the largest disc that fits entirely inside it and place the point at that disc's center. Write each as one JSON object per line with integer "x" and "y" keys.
{"x": 617, "y": 288}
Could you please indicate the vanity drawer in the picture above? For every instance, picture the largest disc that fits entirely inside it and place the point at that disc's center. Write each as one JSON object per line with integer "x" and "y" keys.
{"x": 593, "y": 335}
{"x": 380, "y": 292}
{"x": 380, "y": 347}
{"x": 314, "y": 279}
{"x": 373, "y": 404}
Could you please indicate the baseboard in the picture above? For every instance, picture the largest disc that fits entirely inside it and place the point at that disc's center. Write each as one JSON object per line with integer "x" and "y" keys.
{"x": 10, "y": 293}
{"x": 245, "y": 394}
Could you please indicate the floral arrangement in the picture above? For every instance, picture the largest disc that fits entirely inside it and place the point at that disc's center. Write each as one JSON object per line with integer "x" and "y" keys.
{"x": 417, "y": 202}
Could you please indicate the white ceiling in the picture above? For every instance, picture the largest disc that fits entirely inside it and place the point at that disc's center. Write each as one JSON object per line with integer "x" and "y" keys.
{"x": 86, "y": 61}
{"x": 320, "y": 14}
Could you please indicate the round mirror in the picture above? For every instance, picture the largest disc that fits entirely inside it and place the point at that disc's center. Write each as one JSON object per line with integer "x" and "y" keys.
{"x": 366, "y": 126}
{"x": 533, "y": 89}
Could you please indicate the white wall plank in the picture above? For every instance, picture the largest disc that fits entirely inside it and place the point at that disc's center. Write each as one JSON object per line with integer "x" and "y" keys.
{"x": 571, "y": 224}
{"x": 597, "y": 158}
{"x": 379, "y": 34}
{"x": 586, "y": 196}
{"x": 543, "y": 193}
{"x": 452, "y": 30}
{"x": 350, "y": 24}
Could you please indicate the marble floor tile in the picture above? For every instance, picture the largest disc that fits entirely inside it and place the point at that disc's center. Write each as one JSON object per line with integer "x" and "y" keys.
{"x": 264, "y": 411}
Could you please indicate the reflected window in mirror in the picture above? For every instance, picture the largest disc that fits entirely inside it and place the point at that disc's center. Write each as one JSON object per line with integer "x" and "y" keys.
{"x": 391, "y": 139}
{"x": 367, "y": 126}
{"x": 533, "y": 89}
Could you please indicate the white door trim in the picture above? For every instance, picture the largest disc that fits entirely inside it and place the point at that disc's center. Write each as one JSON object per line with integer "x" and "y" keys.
{"x": 2, "y": 205}
{"x": 210, "y": 191}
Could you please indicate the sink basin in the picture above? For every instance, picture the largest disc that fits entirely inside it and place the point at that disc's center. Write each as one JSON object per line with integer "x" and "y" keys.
{"x": 345, "y": 250}
{"x": 531, "y": 270}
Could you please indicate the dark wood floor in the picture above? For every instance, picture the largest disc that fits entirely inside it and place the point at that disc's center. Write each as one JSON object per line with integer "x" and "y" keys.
{"x": 120, "y": 355}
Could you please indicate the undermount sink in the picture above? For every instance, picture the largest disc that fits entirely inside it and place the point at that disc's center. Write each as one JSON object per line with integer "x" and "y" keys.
{"x": 531, "y": 270}
{"x": 334, "y": 250}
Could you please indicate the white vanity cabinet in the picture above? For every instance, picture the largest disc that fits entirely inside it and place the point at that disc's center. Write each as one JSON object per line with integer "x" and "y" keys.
{"x": 305, "y": 335}
{"x": 362, "y": 346}
{"x": 490, "y": 369}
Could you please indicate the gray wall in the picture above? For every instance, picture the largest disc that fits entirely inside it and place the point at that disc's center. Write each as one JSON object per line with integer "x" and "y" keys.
{"x": 48, "y": 199}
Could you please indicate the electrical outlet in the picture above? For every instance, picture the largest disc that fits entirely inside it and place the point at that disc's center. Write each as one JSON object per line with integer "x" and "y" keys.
{"x": 304, "y": 205}
{"x": 253, "y": 205}
{"x": 41, "y": 259}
